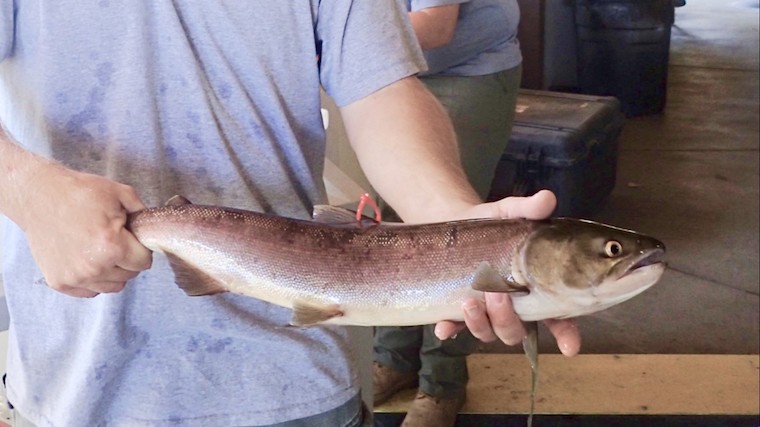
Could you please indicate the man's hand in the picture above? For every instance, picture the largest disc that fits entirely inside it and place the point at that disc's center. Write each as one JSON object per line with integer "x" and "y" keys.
{"x": 74, "y": 223}
{"x": 495, "y": 318}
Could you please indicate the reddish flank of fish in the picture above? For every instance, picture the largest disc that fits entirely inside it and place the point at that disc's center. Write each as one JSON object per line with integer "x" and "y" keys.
{"x": 336, "y": 270}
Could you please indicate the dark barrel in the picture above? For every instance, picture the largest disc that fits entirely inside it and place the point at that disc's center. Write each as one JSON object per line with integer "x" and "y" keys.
{"x": 623, "y": 51}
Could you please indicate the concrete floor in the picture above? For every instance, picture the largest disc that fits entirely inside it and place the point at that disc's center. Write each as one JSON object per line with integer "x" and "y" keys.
{"x": 690, "y": 177}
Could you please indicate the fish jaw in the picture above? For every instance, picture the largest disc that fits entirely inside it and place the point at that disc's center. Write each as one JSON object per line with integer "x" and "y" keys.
{"x": 632, "y": 283}
{"x": 573, "y": 302}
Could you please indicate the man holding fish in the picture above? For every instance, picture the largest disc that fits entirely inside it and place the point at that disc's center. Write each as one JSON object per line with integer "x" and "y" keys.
{"x": 474, "y": 70}
{"x": 109, "y": 107}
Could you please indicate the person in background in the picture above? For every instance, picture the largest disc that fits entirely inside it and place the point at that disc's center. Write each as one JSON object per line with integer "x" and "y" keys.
{"x": 108, "y": 107}
{"x": 474, "y": 69}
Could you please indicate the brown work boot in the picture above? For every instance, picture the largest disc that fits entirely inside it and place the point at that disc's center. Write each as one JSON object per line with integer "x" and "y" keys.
{"x": 387, "y": 381}
{"x": 429, "y": 411}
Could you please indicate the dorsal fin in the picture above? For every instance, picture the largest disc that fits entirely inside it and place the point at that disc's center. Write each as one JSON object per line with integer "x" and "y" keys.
{"x": 177, "y": 200}
{"x": 335, "y": 215}
{"x": 327, "y": 214}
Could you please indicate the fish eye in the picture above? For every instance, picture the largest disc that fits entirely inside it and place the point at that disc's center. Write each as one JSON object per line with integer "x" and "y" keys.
{"x": 613, "y": 248}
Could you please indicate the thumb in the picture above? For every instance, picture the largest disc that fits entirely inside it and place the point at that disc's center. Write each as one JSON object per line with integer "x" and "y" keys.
{"x": 130, "y": 200}
{"x": 538, "y": 206}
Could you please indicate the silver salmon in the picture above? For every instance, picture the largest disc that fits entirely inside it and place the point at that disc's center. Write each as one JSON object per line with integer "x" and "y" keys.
{"x": 337, "y": 270}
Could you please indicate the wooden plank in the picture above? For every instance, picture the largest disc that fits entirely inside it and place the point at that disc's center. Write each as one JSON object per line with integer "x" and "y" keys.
{"x": 610, "y": 384}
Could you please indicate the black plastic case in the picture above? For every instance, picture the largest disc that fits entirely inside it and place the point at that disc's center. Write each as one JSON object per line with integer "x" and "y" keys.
{"x": 563, "y": 142}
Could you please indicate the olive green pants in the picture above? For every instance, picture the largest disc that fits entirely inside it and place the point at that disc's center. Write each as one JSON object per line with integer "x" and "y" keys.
{"x": 482, "y": 110}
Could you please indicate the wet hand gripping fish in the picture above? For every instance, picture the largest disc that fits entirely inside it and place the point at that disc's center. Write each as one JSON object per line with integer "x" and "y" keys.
{"x": 338, "y": 270}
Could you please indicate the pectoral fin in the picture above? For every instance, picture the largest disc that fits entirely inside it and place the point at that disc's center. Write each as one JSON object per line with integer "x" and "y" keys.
{"x": 305, "y": 314}
{"x": 489, "y": 280}
{"x": 192, "y": 280}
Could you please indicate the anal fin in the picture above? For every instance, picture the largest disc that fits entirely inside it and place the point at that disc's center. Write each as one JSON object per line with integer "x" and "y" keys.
{"x": 305, "y": 314}
{"x": 191, "y": 279}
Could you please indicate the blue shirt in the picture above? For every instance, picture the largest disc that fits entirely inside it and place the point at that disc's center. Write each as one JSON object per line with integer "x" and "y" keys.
{"x": 218, "y": 101}
{"x": 485, "y": 40}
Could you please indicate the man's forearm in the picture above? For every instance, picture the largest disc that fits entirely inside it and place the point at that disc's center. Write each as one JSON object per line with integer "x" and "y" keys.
{"x": 407, "y": 148}
{"x": 435, "y": 26}
{"x": 17, "y": 168}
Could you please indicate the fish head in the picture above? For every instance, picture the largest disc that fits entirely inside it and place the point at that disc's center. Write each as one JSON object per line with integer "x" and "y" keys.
{"x": 575, "y": 267}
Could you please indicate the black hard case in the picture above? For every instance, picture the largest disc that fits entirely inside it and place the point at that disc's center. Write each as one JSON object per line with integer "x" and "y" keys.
{"x": 563, "y": 142}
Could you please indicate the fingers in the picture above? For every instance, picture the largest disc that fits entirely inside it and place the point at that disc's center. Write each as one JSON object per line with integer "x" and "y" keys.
{"x": 114, "y": 275}
{"x": 127, "y": 259}
{"x": 130, "y": 200}
{"x": 495, "y": 318}
{"x": 75, "y": 292}
{"x": 110, "y": 280}
{"x": 445, "y": 330}
{"x": 538, "y": 206}
{"x": 488, "y": 321}
{"x": 136, "y": 257}
{"x": 567, "y": 335}
{"x": 93, "y": 289}
{"x": 504, "y": 321}
{"x": 476, "y": 319}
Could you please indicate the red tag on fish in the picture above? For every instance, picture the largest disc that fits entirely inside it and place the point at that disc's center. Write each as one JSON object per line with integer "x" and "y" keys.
{"x": 367, "y": 199}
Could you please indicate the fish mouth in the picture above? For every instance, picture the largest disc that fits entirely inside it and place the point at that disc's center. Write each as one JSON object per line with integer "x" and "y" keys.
{"x": 647, "y": 258}
{"x": 655, "y": 256}
{"x": 637, "y": 275}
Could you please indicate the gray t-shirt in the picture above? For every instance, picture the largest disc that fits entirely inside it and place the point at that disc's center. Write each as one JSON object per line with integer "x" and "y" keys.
{"x": 218, "y": 101}
{"x": 485, "y": 39}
